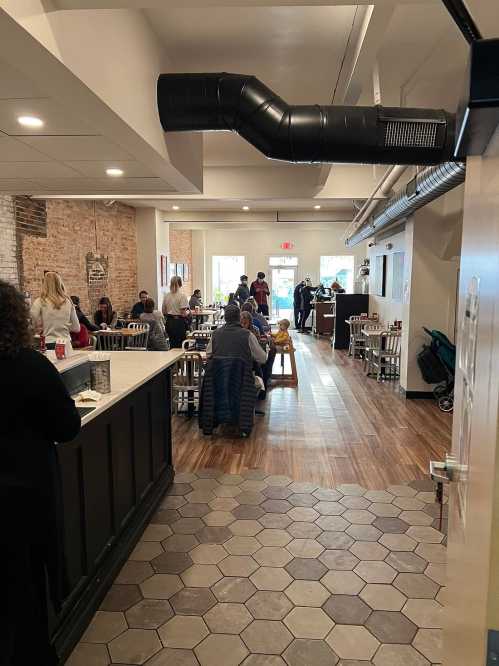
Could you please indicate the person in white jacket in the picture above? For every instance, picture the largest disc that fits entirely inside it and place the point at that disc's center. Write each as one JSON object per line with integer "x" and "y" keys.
{"x": 53, "y": 313}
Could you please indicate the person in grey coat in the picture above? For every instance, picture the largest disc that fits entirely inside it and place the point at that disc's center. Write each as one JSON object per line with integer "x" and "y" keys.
{"x": 242, "y": 292}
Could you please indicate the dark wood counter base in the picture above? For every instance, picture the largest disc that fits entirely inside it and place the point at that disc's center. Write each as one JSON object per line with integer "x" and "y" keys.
{"x": 113, "y": 476}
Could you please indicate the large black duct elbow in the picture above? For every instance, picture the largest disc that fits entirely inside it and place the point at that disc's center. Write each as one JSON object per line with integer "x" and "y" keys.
{"x": 360, "y": 135}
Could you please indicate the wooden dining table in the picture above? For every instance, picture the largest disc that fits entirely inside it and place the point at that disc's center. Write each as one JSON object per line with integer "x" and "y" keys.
{"x": 126, "y": 332}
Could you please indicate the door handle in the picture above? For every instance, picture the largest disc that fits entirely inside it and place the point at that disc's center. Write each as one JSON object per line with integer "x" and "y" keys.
{"x": 445, "y": 472}
{"x": 439, "y": 471}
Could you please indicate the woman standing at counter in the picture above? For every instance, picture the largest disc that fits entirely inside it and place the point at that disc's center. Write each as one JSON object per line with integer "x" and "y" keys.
{"x": 176, "y": 309}
{"x": 38, "y": 412}
{"x": 54, "y": 312}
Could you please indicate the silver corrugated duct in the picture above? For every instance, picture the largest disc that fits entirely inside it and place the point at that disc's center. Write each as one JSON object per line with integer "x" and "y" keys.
{"x": 428, "y": 185}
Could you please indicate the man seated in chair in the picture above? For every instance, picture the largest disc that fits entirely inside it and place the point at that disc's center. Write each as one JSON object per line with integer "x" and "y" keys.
{"x": 229, "y": 391}
{"x": 235, "y": 341}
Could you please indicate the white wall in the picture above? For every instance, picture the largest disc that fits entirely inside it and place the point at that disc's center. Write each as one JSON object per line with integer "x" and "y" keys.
{"x": 387, "y": 308}
{"x": 431, "y": 242}
{"x": 257, "y": 246}
{"x": 433, "y": 287}
{"x": 152, "y": 241}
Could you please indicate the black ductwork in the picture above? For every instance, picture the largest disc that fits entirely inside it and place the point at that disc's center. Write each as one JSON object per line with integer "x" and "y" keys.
{"x": 463, "y": 19}
{"x": 305, "y": 134}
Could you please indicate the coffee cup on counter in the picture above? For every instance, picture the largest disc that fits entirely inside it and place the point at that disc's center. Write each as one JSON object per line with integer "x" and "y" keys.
{"x": 60, "y": 349}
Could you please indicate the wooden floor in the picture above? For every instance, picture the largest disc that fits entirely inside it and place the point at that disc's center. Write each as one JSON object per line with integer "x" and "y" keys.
{"x": 337, "y": 427}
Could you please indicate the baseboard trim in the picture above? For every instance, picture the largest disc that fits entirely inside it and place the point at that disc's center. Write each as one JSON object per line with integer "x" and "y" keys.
{"x": 417, "y": 395}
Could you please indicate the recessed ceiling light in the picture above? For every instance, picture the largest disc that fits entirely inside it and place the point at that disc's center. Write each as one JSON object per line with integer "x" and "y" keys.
{"x": 114, "y": 171}
{"x": 30, "y": 121}
{"x": 176, "y": 207}
{"x": 245, "y": 207}
{"x": 317, "y": 207}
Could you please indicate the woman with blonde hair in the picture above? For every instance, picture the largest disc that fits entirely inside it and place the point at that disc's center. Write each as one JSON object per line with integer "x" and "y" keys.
{"x": 176, "y": 311}
{"x": 53, "y": 313}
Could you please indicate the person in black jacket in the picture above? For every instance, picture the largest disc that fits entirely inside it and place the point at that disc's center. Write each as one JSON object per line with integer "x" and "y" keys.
{"x": 38, "y": 412}
{"x": 306, "y": 294}
{"x": 296, "y": 302}
{"x": 82, "y": 317}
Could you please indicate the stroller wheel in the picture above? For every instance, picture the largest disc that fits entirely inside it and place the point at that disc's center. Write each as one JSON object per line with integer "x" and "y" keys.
{"x": 446, "y": 403}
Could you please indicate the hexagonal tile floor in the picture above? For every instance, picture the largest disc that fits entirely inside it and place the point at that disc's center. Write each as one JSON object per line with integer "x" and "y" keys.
{"x": 258, "y": 570}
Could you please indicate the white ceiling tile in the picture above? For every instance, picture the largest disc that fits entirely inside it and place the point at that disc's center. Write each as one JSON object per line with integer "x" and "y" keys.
{"x": 103, "y": 185}
{"x": 36, "y": 170}
{"x": 18, "y": 186}
{"x": 56, "y": 118}
{"x": 15, "y": 84}
{"x": 67, "y": 148}
{"x": 130, "y": 168}
{"x": 12, "y": 150}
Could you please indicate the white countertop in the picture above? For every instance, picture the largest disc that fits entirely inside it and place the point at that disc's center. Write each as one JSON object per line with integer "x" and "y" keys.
{"x": 129, "y": 370}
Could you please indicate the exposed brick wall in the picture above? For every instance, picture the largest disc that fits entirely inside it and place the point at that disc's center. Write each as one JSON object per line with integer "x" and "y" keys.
{"x": 8, "y": 256}
{"x": 75, "y": 233}
{"x": 181, "y": 253}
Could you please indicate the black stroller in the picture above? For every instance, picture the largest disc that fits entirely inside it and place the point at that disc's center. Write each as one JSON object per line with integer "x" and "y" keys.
{"x": 437, "y": 362}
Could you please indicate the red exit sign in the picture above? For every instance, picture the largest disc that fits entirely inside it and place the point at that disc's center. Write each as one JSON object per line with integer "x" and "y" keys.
{"x": 287, "y": 245}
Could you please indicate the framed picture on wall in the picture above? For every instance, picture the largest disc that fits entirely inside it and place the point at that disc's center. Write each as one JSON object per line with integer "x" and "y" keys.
{"x": 163, "y": 263}
{"x": 380, "y": 275}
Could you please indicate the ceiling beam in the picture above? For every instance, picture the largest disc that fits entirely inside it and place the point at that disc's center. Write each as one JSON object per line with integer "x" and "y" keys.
{"x": 370, "y": 29}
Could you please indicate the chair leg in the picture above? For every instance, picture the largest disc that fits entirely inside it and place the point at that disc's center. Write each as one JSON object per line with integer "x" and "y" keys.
{"x": 294, "y": 373}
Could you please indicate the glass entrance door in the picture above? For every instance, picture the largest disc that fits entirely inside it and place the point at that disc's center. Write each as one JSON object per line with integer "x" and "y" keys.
{"x": 283, "y": 284}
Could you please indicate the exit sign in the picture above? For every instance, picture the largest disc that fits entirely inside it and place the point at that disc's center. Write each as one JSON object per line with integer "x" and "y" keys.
{"x": 287, "y": 245}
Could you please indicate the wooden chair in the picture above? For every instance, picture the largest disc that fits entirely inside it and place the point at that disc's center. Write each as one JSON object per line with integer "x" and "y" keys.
{"x": 386, "y": 359}
{"x": 289, "y": 379}
{"x": 186, "y": 381}
{"x": 357, "y": 340}
{"x": 372, "y": 342}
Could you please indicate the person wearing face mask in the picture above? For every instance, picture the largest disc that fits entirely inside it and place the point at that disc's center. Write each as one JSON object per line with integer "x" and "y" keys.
{"x": 260, "y": 290}
{"x": 242, "y": 292}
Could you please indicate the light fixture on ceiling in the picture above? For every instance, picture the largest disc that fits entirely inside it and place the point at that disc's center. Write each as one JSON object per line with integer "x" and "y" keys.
{"x": 245, "y": 207}
{"x": 317, "y": 206}
{"x": 175, "y": 207}
{"x": 114, "y": 171}
{"x": 30, "y": 121}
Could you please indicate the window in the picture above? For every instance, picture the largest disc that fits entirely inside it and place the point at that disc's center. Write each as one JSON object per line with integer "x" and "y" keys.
{"x": 226, "y": 272}
{"x": 397, "y": 275}
{"x": 339, "y": 268}
{"x": 283, "y": 261}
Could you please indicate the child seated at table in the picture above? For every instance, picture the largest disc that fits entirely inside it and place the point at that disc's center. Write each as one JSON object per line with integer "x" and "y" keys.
{"x": 282, "y": 337}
